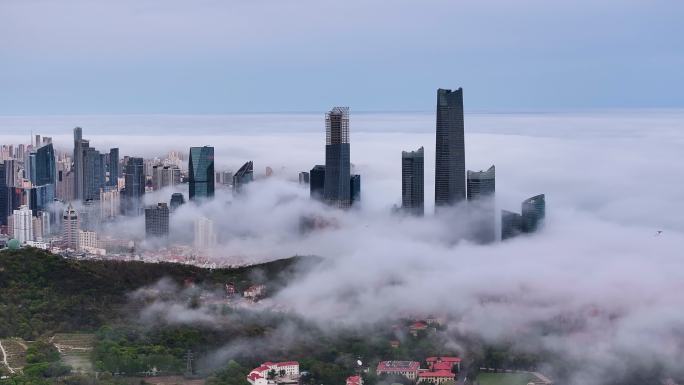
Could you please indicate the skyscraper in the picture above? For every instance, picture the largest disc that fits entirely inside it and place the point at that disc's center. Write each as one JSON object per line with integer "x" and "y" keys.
{"x": 201, "y": 172}
{"x": 205, "y": 235}
{"x": 45, "y": 166}
{"x": 317, "y": 182}
{"x": 113, "y": 167}
{"x": 412, "y": 181}
{"x": 4, "y": 195}
{"x": 177, "y": 200}
{"x": 533, "y": 213}
{"x": 157, "y": 220}
{"x": 135, "y": 186}
{"x": 354, "y": 189}
{"x": 303, "y": 177}
{"x": 92, "y": 171}
{"x": 243, "y": 176}
{"x": 22, "y": 224}
{"x": 482, "y": 207}
{"x": 450, "y": 185}
{"x": 511, "y": 224}
{"x": 78, "y": 162}
{"x": 70, "y": 228}
{"x": 336, "y": 189}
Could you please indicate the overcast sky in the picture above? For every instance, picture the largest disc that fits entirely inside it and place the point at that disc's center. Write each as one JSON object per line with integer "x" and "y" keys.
{"x": 172, "y": 56}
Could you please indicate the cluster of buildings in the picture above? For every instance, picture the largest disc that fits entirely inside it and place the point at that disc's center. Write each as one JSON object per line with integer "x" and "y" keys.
{"x": 95, "y": 187}
{"x": 439, "y": 369}
{"x": 271, "y": 373}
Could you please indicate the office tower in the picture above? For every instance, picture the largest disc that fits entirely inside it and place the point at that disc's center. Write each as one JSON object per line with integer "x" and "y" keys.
{"x": 450, "y": 185}
{"x": 65, "y": 183}
{"x": 37, "y": 144}
{"x": 165, "y": 176}
{"x": 47, "y": 140}
{"x": 201, "y": 172}
{"x": 511, "y": 224}
{"x": 4, "y": 195}
{"x": 354, "y": 189}
{"x": 243, "y": 176}
{"x": 157, "y": 220}
{"x": 337, "y": 167}
{"x": 134, "y": 189}
{"x": 177, "y": 200}
{"x": 533, "y": 213}
{"x": 110, "y": 203}
{"x": 93, "y": 170}
{"x": 113, "y": 167}
{"x": 70, "y": 228}
{"x": 22, "y": 224}
{"x": 205, "y": 235}
{"x": 227, "y": 178}
{"x": 317, "y": 182}
{"x": 482, "y": 207}
{"x": 303, "y": 177}
{"x": 40, "y": 197}
{"x": 78, "y": 162}
{"x": 44, "y": 169}
{"x": 412, "y": 181}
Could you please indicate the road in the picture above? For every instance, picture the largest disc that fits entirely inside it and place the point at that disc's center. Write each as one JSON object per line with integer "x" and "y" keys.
{"x": 4, "y": 358}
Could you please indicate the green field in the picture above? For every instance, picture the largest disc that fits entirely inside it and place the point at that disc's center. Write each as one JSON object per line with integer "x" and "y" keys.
{"x": 504, "y": 378}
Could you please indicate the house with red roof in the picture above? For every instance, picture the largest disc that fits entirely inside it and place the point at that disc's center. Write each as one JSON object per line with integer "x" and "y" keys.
{"x": 285, "y": 372}
{"x": 436, "y": 377}
{"x": 354, "y": 380}
{"x": 408, "y": 369}
{"x": 443, "y": 363}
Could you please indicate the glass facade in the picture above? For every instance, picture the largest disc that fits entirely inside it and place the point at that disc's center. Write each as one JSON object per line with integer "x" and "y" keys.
{"x": 450, "y": 185}
{"x": 336, "y": 189}
{"x": 243, "y": 176}
{"x": 317, "y": 182}
{"x": 412, "y": 181}
{"x": 201, "y": 172}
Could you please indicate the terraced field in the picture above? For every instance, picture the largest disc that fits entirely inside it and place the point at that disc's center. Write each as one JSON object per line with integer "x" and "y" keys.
{"x": 75, "y": 349}
{"x": 14, "y": 358}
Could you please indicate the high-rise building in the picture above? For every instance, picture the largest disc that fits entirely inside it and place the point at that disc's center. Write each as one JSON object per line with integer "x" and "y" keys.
{"x": 134, "y": 189}
{"x": 93, "y": 168}
{"x": 511, "y": 224}
{"x": 40, "y": 197}
{"x": 227, "y": 178}
{"x": 482, "y": 207}
{"x": 412, "y": 181}
{"x": 201, "y": 172}
{"x": 303, "y": 177}
{"x": 337, "y": 153}
{"x": 70, "y": 228}
{"x": 4, "y": 195}
{"x": 205, "y": 235}
{"x": 22, "y": 224}
{"x": 165, "y": 176}
{"x": 110, "y": 203}
{"x": 243, "y": 176}
{"x": 317, "y": 182}
{"x": 113, "y": 167}
{"x": 533, "y": 213}
{"x": 65, "y": 182}
{"x": 450, "y": 187}
{"x": 354, "y": 189}
{"x": 44, "y": 168}
{"x": 177, "y": 200}
{"x": 78, "y": 162}
{"x": 157, "y": 221}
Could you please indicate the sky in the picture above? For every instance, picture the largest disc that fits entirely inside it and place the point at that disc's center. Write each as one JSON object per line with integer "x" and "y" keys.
{"x": 213, "y": 57}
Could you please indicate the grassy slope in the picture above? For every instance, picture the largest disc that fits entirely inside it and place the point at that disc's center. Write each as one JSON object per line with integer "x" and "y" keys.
{"x": 504, "y": 378}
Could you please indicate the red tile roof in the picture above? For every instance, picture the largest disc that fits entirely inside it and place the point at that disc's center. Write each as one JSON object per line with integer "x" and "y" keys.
{"x": 443, "y": 359}
{"x": 442, "y": 365}
{"x": 398, "y": 366}
{"x": 287, "y": 363}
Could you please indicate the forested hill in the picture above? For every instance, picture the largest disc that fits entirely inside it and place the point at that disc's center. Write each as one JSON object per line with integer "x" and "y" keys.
{"x": 42, "y": 293}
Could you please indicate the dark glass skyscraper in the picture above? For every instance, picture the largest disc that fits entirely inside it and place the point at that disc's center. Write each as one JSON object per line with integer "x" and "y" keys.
{"x": 412, "y": 181}
{"x": 450, "y": 185}
{"x": 243, "y": 176}
{"x": 482, "y": 207}
{"x": 317, "y": 182}
{"x": 157, "y": 221}
{"x": 511, "y": 224}
{"x": 45, "y": 166}
{"x": 78, "y": 162}
{"x": 533, "y": 213}
{"x": 113, "y": 167}
{"x": 355, "y": 188}
{"x": 134, "y": 189}
{"x": 201, "y": 172}
{"x": 177, "y": 200}
{"x": 4, "y": 194}
{"x": 336, "y": 190}
{"x": 93, "y": 169}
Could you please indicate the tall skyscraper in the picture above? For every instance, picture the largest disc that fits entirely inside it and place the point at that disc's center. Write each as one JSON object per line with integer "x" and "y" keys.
{"x": 45, "y": 166}
{"x": 412, "y": 181}
{"x": 482, "y": 207}
{"x": 110, "y": 203}
{"x": 157, "y": 221}
{"x": 511, "y": 224}
{"x": 450, "y": 187}
{"x": 165, "y": 176}
{"x": 201, "y": 172}
{"x": 4, "y": 195}
{"x": 78, "y": 162}
{"x": 533, "y": 213}
{"x": 337, "y": 152}
{"x": 134, "y": 189}
{"x": 70, "y": 228}
{"x": 354, "y": 189}
{"x": 205, "y": 235}
{"x": 317, "y": 182}
{"x": 177, "y": 200}
{"x": 22, "y": 225}
{"x": 303, "y": 177}
{"x": 113, "y": 167}
{"x": 243, "y": 176}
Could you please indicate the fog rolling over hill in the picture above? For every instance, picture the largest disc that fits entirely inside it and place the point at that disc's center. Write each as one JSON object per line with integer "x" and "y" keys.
{"x": 599, "y": 286}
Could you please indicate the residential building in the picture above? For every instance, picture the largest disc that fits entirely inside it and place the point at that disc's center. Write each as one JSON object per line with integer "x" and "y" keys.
{"x": 110, "y": 202}
{"x": 336, "y": 189}
{"x": 412, "y": 181}
{"x": 22, "y": 224}
{"x": 205, "y": 234}
{"x": 450, "y": 187}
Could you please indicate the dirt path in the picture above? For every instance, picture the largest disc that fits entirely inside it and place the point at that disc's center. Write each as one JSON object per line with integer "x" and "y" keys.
{"x": 4, "y": 358}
